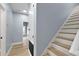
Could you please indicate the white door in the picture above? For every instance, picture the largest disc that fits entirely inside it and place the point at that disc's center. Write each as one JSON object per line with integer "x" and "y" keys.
{"x": 2, "y": 31}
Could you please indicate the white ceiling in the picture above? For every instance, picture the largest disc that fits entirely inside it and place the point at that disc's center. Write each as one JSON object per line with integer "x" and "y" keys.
{"x": 19, "y": 7}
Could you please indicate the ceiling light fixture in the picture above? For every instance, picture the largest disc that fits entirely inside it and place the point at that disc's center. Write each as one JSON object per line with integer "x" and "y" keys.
{"x": 24, "y": 11}
{"x": 30, "y": 12}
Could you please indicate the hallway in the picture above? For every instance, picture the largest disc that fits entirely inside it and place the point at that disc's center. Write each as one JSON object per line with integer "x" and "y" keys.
{"x": 17, "y": 26}
{"x": 19, "y": 50}
{"x": 27, "y": 33}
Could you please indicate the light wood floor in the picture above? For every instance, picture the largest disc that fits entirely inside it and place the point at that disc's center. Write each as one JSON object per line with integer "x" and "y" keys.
{"x": 0, "y": 53}
{"x": 19, "y": 50}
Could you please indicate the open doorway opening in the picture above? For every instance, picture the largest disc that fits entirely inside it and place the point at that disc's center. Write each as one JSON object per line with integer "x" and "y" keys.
{"x": 25, "y": 34}
{"x": 26, "y": 38}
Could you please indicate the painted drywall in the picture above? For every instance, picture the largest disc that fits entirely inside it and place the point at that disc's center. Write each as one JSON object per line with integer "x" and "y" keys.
{"x": 18, "y": 20}
{"x": 9, "y": 31}
{"x": 50, "y": 17}
{"x": 9, "y": 24}
{"x": 14, "y": 23}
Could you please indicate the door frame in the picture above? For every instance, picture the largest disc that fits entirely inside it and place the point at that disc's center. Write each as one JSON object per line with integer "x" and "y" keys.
{"x": 3, "y": 30}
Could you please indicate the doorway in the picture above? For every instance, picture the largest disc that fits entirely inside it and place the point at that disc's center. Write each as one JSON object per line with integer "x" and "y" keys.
{"x": 25, "y": 34}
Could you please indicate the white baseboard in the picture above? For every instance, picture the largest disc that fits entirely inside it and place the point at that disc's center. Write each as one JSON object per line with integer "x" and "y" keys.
{"x": 21, "y": 43}
{"x": 9, "y": 50}
{"x": 12, "y": 46}
{"x": 16, "y": 43}
{"x": 29, "y": 52}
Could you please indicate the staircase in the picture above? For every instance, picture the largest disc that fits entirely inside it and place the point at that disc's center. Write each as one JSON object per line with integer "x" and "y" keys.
{"x": 64, "y": 38}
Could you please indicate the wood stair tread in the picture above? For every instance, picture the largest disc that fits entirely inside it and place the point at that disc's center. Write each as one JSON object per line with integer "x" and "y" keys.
{"x": 46, "y": 54}
{"x": 69, "y": 28}
{"x": 74, "y": 15}
{"x": 72, "y": 21}
{"x": 62, "y": 45}
{"x": 73, "y": 18}
{"x": 67, "y": 33}
{"x": 58, "y": 50}
{"x": 64, "y": 38}
{"x": 76, "y": 22}
{"x": 0, "y": 53}
{"x": 50, "y": 53}
{"x": 66, "y": 42}
{"x": 69, "y": 37}
{"x": 71, "y": 24}
{"x": 70, "y": 31}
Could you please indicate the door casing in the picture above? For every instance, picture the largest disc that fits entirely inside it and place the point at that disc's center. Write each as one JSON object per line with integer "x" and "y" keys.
{"x": 3, "y": 30}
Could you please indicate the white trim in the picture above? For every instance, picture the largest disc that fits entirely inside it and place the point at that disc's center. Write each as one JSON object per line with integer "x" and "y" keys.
{"x": 29, "y": 52}
{"x": 3, "y": 32}
{"x": 9, "y": 50}
{"x": 57, "y": 33}
{"x": 12, "y": 46}
{"x": 35, "y": 45}
{"x": 16, "y": 43}
{"x": 20, "y": 43}
{"x": 75, "y": 45}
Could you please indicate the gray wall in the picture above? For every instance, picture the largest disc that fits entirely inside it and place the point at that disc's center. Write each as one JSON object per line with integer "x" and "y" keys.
{"x": 49, "y": 19}
{"x": 9, "y": 31}
{"x": 18, "y": 20}
{"x": 14, "y": 26}
{"x": 9, "y": 25}
{"x": 18, "y": 27}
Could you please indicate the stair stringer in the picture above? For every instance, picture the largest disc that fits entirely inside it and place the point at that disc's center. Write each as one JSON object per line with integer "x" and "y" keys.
{"x": 75, "y": 45}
